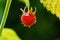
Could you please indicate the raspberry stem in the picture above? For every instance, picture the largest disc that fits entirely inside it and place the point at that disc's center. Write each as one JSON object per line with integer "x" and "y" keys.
{"x": 27, "y": 3}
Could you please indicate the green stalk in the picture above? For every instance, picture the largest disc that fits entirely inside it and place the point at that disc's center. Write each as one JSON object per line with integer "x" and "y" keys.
{"x": 27, "y": 3}
{"x": 8, "y": 3}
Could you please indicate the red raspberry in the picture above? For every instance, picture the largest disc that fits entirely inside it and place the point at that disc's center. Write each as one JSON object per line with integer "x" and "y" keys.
{"x": 28, "y": 18}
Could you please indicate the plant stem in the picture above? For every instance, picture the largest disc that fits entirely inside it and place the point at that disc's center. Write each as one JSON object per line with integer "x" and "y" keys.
{"x": 27, "y": 3}
{"x": 8, "y": 3}
{"x": 28, "y": 8}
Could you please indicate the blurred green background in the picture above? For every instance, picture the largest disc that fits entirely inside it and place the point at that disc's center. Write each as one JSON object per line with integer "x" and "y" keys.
{"x": 47, "y": 26}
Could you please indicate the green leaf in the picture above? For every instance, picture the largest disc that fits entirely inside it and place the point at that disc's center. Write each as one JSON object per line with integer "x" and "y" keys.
{"x": 9, "y": 34}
